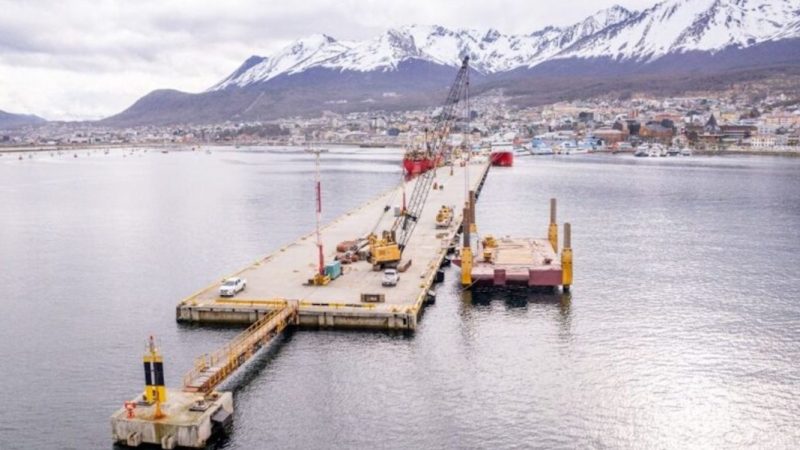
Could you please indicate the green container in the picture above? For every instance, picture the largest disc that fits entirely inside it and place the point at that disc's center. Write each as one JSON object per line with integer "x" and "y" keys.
{"x": 333, "y": 270}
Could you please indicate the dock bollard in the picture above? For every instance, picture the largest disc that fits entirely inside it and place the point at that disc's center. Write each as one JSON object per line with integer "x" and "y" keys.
{"x": 566, "y": 258}
{"x": 552, "y": 233}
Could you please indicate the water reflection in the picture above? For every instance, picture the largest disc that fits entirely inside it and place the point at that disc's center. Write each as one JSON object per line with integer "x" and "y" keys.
{"x": 517, "y": 297}
{"x": 520, "y": 298}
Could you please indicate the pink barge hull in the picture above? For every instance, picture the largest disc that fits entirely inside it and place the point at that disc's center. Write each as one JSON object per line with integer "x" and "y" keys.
{"x": 517, "y": 261}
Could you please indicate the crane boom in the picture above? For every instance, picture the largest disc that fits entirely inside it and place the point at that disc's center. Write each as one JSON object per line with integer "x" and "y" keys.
{"x": 404, "y": 225}
{"x": 388, "y": 248}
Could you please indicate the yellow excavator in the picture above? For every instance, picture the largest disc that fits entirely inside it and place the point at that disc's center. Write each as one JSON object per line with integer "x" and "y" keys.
{"x": 384, "y": 251}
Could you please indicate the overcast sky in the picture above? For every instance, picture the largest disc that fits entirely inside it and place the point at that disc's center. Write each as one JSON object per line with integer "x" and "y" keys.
{"x": 87, "y": 59}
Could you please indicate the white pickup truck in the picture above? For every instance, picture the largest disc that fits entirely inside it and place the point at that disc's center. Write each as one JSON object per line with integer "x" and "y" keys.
{"x": 232, "y": 286}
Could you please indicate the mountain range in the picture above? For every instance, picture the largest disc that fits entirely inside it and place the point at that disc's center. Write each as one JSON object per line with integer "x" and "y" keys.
{"x": 10, "y": 120}
{"x": 674, "y": 45}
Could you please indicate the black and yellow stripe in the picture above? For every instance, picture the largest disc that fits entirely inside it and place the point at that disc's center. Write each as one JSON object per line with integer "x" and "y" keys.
{"x": 154, "y": 376}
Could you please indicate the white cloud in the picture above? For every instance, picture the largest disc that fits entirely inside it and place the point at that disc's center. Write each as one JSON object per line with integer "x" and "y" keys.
{"x": 87, "y": 59}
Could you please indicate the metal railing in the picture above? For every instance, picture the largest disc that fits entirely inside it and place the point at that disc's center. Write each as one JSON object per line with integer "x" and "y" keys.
{"x": 211, "y": 369}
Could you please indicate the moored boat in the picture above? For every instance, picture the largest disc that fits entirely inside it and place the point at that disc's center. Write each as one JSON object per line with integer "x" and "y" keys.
{"x": 502, "y": 154}
{"x": 522, "y": 150}
{"x": 416, "y": 162}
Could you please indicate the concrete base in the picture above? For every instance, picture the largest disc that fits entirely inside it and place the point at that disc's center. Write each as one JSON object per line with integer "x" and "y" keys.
{"x": 184, "y": 424}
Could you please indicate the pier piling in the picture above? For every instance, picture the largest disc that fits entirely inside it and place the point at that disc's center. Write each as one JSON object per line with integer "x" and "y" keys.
{"x": 566, "y": 258}
{"x": 552, "y": 233}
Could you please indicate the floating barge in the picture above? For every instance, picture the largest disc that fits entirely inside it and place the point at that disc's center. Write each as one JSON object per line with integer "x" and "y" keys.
{"x": 521, "y": 261}
{"x": 505, "y": 261}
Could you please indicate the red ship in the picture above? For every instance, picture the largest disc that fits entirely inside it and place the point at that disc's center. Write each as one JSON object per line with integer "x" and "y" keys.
{"x": 416, "y": 162}
{"x": 503, "y": 154}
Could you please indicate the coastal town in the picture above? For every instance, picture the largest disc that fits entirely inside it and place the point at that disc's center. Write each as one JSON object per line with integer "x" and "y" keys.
{"x": 711, "y": 122}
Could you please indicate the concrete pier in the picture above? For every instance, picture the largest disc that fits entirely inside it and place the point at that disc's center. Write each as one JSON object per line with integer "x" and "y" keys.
{"x": 282, "y": 276}
{"x": 190, "y": 420}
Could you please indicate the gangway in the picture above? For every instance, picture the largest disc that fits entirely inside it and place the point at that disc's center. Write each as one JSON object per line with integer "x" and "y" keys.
{"x": 212, "y": 369}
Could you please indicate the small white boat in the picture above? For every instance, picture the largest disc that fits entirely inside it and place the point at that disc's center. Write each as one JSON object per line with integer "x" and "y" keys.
{"x": 571, "y": 148}
{"x": 686, "y": 151}
{"x": 521, "y": 150}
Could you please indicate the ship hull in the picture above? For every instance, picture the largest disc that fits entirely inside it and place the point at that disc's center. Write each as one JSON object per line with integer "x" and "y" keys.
{"x": 418, "y": 165}
{"x": 503, "y": 158}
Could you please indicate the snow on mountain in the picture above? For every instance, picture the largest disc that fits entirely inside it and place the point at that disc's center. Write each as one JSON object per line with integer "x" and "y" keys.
{"x": 490, "y": 51}
{"x": 677, "y": 26}
{"x": 672, "y": 26}
{"x": 384, "y": 53}
{"x": 302, "y": 54}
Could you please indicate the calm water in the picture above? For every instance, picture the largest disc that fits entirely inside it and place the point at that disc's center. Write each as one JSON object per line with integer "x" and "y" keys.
{"x": 682, "y": 331}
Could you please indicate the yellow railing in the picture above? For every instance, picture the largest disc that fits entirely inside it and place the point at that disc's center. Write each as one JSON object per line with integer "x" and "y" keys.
{"x": 216, "y": 366}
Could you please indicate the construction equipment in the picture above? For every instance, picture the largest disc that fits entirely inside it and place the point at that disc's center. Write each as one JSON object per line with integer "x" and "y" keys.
{"x": 444, "y": 217}
{"x": 386, "y": 250}
{"x": 489, "y": 243}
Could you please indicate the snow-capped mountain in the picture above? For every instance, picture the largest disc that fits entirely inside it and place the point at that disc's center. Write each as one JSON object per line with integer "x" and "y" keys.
{"x": 302, "y": 54}
{"x": 676, "y": 45}
{"x": 672, "y": 26}
{"x": 678, "y": 26}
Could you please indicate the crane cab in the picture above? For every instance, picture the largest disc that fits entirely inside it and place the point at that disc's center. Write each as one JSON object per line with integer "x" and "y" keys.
{"x": 384, "y": 251}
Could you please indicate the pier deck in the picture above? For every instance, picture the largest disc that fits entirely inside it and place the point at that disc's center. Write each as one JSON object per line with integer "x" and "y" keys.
{"x": 283, "y": 275}
{"x": 527, "y": 261}
{"x": 189, "y": 420}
